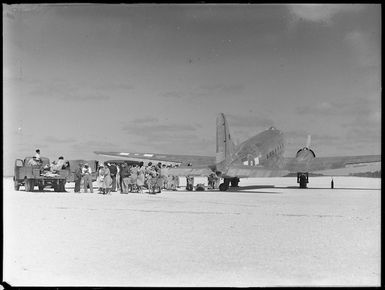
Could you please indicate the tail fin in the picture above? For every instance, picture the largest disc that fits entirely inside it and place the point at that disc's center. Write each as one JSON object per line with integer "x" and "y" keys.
{"x": 225, "y": 146}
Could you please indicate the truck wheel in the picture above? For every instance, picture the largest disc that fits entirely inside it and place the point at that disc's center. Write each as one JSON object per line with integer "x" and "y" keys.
{"x": 62, "y": 187}
{"x": 17, "y": 185}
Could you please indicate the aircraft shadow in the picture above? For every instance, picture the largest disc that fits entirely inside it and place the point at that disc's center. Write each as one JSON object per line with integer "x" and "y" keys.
{"x": 250, "y": 189}
{"x": 338, "y": 188}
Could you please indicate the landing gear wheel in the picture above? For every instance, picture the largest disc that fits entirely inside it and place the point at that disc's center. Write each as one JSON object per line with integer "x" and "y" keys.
{"x": 223, "y": 187}
{"x": 302, "y": 182}
{"x": 41, "y": 187}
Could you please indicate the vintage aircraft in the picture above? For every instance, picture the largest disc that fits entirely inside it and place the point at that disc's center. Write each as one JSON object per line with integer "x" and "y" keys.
{"x": 259, "y": 156}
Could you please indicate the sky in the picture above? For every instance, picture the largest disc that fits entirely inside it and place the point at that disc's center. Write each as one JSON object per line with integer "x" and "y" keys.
{"x": 79, "y": 78}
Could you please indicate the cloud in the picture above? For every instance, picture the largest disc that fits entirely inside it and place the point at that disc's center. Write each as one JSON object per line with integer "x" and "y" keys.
{"x": 53, "y": 139}
{"x": 355, "y": 107}
{"x": 152, "y": 129}
{"x": 89, "y": 97}
{"x": 120, "y": 86}
{"x": 227, "y": 89}
{"x": 249, "y": 121}
{"x": 172, "y": 95}
{"x": 207, "y": 90}
{"x": 64, "y": 91}
{"x": 145, "y": 120}
{"x": 149, "y": 129}
{"x": 321, "y": 13}
{"x": 364, "y": 49}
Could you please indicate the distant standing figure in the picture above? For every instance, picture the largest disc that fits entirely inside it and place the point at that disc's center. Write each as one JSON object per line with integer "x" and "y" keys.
{"x": 118, "y": 179}
{"x": 133, "y": 177}
{"x": 140, "y": 178}
{"x": 332, "y": 184}
{"x": 37, "y": 155}
{"x": 125, "y": 176}
{"x": 78, "y": 177}
{"x": 107, "y": 180}
{"x": 100, "y": 178}
{"x": 32, "y": 161}
{"x": 86, "y": 172}
{"x": 113, "y": 172}
{"x": 189, "y": 183}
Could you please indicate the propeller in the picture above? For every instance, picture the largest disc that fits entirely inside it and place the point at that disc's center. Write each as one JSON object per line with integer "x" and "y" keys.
{"x": 308, "y": 142}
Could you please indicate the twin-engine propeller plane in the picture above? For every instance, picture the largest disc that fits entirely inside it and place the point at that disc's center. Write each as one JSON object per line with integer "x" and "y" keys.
{"x": 259, "y": 156}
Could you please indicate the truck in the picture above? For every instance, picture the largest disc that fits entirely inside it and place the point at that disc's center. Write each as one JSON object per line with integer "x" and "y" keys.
{"x": 30, "y": 176}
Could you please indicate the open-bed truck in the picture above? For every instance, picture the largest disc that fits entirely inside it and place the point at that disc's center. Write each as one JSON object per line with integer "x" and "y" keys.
{"x": 31, "y": 176}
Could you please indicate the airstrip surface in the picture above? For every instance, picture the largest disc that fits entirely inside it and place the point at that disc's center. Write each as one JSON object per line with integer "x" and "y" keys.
{"x": 268, "y": 234}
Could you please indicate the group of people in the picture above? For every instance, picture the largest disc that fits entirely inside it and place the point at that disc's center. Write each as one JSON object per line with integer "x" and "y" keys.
{"x": 126, "y": 178}
{"x": 53, "y": 167}
{"x": 83, "y": 172}
{"x": 123, "y": 177}
{"x": 136, "y": 177}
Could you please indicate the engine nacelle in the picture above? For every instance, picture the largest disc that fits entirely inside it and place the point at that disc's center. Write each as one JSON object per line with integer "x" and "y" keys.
{"x": 305, "y": 154}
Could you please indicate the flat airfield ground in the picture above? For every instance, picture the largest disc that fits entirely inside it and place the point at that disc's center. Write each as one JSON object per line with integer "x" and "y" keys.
{"x": 259, "y": 236}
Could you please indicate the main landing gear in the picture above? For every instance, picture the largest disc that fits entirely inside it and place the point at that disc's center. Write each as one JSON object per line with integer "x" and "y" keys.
{"x": 226, "y": 183}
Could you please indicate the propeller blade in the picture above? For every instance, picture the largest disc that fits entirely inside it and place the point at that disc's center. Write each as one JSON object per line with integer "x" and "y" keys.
{"x": 308, "y": 142}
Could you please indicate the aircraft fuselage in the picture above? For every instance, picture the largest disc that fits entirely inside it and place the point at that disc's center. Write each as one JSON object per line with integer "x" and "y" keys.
{"x": 264, "y": 149}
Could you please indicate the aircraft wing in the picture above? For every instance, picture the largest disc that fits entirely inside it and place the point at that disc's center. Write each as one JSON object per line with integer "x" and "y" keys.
{"x": 326, "y": 163}
{"x": 256, "y": 171}
{"x": 191, "y": 171}
{"x": 182, "y": 160}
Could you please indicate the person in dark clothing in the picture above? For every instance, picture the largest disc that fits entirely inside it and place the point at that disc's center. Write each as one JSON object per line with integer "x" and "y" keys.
{"x": 113, "y": 171}
{"x": 125, "y": 176}
{"x": 78, "y": 177}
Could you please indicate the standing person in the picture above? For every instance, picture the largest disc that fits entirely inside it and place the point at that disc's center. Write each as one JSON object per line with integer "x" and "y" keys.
{"x": 87, "y": 177}
{"x": 125, "y": 176}
{"x": 100, "y": 178}
{"x": 37, "y": 155}
{"x": 118, "y": 179}
{"x": 107, "y": 180}
{"x": 189, "y": 183}
{"x": 113, "y": 171}
{"x": 133, "y": 177}
{"x": 140, "y": 178}
{"x": 78, "y": 177}
{"x": 60, "y": 163}
{"x": 164, "y": 175}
